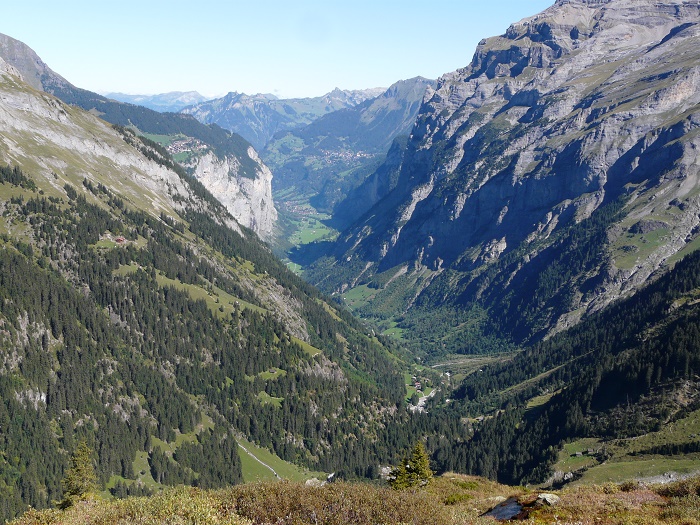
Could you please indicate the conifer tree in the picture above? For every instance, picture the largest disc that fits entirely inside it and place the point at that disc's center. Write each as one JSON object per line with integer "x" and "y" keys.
{"x": 80, "y": 481}
{"x": 414, "y": 470}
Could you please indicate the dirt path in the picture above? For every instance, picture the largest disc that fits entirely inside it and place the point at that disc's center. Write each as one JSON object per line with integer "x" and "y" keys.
{"x": 256, "y": 458}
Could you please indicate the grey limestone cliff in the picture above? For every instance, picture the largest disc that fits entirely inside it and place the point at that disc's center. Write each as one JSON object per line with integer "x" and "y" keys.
{"x": 248, "y": 199}
{"x": 569, "y": 110}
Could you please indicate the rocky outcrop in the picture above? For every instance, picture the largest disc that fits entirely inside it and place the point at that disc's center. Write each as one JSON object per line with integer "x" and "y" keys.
{"x": 248, "y": 199}
{"x": 568, "y": 111}
{"x": 8, "y": 69}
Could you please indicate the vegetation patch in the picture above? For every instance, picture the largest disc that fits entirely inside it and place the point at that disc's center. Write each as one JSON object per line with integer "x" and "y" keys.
{"x": 256, "y": 470}
{"x": 272, "y": 373}
{"x": 659, "y": 469}
{"x": 267, "y": 399}
{"x": 310, "y": 350}
{"x": 218, "y": 301}
{"x": 448, "y": 500}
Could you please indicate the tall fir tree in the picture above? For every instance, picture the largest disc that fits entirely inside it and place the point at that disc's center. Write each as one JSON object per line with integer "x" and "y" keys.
{"x": 414, "y": 470}
{"x": 80, "y": 481}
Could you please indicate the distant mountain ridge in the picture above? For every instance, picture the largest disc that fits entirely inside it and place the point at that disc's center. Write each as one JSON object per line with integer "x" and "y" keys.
{"x": 329, "y": 157}
{"x": 173, "y": 101}
{"x": 259, "y": 117}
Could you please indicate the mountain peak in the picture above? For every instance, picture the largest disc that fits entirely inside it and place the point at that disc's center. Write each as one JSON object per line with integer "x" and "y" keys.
{"x": 26, "y": 62}
{"x": 554, "y": 120}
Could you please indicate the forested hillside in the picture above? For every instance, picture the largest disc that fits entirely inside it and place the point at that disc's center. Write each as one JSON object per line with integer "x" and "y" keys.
{"x": 629, "y": 371}
{"x": 160, "y": 337}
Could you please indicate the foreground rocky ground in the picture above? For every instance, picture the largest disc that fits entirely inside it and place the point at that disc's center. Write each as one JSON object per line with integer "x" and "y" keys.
{"x": 449, "y": 499}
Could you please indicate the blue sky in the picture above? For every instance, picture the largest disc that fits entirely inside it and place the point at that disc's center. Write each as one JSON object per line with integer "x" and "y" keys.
{"x": 290, "y": 48}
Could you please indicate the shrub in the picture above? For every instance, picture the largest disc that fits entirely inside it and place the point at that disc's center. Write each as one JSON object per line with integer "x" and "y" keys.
{"x": 340, "y": 503}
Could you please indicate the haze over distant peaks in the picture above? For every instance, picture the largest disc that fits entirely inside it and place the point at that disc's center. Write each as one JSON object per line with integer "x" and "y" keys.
{"x": 257, "y": 118}
{"x": 172, "y": 101}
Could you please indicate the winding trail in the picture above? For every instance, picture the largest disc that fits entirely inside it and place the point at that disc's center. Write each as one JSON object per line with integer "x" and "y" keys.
{"x": 256, "y": 458}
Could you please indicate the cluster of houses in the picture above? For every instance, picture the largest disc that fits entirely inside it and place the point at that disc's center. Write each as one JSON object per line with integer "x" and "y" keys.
{"x": 183, "y": 145}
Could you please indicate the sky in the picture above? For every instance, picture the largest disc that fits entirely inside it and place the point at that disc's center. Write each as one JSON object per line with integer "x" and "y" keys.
{"x": 291, "y": 48}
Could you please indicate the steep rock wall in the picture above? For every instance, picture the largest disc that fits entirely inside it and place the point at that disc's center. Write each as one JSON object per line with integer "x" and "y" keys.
{"x": 249, "y": 200}
{"x": 567, "y": 111}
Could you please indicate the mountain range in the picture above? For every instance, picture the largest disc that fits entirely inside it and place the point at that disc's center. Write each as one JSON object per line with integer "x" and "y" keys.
{"x": 324, "y": 160}
{"x": 520, "y": 238}
{"x": 258, "y": 117}
{"x": 580, "y": 121}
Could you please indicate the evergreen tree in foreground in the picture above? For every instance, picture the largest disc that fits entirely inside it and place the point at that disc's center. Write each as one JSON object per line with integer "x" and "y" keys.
{"x": 414, "y": 470}
{"x": 80, "y": 481}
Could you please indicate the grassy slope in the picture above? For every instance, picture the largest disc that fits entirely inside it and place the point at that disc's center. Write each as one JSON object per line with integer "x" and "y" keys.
{"x": 630, "y": 458}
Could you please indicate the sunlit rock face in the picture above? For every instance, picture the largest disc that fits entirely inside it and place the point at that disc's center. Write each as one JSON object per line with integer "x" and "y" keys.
{"x": 567, "y": 111}
{"x": 248, "y": 199}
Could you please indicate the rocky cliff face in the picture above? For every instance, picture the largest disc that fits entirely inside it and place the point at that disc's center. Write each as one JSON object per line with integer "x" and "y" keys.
{"x": 248, "y": 199}
{"x": 225, "y": 156}
{"x": 570, "y": 110}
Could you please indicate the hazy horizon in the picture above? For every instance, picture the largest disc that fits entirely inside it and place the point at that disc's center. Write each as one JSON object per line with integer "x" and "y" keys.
{"x": 289, "y": 49}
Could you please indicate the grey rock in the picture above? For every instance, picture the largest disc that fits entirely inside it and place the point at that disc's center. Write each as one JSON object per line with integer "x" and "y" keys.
{"x": 248, "y": 199}
{"x": 567, "y": 111}
{"x": 647, "y": 226}
{"x": 548, "y": 499}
